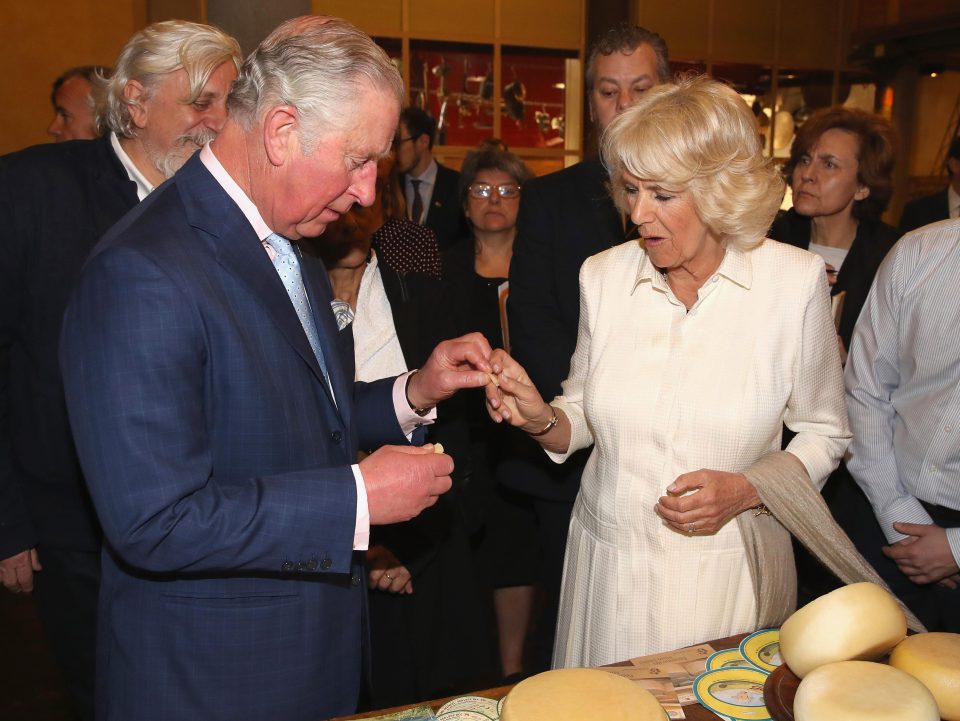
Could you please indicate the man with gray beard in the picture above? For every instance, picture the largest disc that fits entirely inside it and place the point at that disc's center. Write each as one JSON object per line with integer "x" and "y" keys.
{"x": 166, "y": 98}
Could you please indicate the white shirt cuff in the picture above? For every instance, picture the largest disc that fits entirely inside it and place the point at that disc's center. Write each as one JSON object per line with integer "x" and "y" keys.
{"x": 361, "y": 533}
{"x": 409, "y": 421}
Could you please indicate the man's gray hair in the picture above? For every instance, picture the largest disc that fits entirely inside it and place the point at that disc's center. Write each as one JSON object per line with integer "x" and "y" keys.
{"x": 153, "y": 52}
{"x": 315, "y": 64}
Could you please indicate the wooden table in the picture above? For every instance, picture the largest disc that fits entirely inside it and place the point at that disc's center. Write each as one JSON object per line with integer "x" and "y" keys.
{"x": 695, "y": 712}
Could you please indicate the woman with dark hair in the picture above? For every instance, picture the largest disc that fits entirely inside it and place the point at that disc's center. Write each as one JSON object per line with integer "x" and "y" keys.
{"x": 840, "y": 171}
{"x": 475, "y": 273}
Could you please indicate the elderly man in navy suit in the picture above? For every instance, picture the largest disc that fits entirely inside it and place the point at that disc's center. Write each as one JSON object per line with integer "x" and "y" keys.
{"x": 214, "y": 409}
{"x": 167, "y": 97}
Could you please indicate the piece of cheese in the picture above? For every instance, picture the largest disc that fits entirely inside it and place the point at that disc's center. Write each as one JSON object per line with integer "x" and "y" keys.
{"x": 861, "y": 621}
{"x": 934, "y": 660}
{"x": 862, "y": 691}
{"x": 574, "y": 694}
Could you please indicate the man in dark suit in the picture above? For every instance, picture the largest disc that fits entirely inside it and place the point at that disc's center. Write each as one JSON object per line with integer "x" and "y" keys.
{"x": 214, "y": 409}
{"x": 564, "y": 218}
{"x": 937, "y": 206}
{"x": 57, "y": 201}
{"x": 431, "y": 190}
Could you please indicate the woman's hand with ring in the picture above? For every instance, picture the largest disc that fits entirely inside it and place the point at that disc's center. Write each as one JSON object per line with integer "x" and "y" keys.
{"x": 385, "y": 572}
{"x": 704, "y": 501}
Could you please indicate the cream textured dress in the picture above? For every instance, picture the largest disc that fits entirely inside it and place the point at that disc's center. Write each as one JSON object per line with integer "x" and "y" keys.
{"x": 661, "y": 391}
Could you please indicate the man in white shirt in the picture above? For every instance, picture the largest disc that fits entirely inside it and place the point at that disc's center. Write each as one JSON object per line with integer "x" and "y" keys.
{"x": 904, "y": 406}
{"x": 169, "y": 89}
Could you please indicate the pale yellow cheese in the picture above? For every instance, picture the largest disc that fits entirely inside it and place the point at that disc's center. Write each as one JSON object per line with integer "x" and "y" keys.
{"x": 934, "y": 660}
{"x": 862, "y": 691}
{"x": 861, "y": 621}
{"x": 575, "y": 694}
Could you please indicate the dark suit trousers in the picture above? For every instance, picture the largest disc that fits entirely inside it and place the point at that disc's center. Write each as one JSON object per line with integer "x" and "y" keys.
{"x": 65, "y": 592}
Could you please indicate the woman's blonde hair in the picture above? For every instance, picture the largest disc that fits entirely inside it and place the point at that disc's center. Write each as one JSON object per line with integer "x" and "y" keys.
{"x": 698, "y": 135}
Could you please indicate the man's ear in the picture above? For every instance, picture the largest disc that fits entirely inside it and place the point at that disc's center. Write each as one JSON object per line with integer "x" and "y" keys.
{"x": 281, "y": 128}
{"x": 422, "y": 143}
{"x": 135, "y": 93}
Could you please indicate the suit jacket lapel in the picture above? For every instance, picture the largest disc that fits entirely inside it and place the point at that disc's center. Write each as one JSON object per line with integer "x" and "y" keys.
{"x": 238, "y": 249}
{"x": 115, "y": 193}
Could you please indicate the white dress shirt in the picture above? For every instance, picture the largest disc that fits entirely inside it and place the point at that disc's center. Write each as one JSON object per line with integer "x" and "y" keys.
{"x": 903, "y": 382}
{"x": 144, "y": 186}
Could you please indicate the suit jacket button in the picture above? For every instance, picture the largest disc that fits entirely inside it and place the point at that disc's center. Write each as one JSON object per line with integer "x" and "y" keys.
{"x": 311, "y": 565}
{"x": 326, "y": 563}
{"x": 355, "y": 579}
{"x": 287, "y": 566}
{"x": 336, "y": 436}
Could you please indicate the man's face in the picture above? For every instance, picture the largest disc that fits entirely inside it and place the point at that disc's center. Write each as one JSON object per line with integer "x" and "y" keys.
{"x": 621, "y": 78}
{"x": 169, "y": 129}
{"x": 312, "y": 190}
{"x": 409, "y": 150}
{"x": 73, "y": 117}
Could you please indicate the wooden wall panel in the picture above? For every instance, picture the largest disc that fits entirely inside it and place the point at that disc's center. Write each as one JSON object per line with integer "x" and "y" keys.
{"x": 743, "y": 31}
{"x": 250, "y": 23}
{"x": 809, "y": 33}
{"x": 684, "y": 24}
{"x": 376, "y": 17}
{"x": 443, "y": 19}
{"x": 193, "y": 10}
{"x": 543, "y": 23}
{"x": 38, "y": 41}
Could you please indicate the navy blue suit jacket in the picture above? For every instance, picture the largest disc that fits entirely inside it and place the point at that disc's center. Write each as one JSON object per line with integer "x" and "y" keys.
{"x": 219, "y": 465}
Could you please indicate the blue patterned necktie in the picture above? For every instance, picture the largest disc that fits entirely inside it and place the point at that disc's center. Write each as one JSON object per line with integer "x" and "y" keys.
{"x": 288, "y": 266}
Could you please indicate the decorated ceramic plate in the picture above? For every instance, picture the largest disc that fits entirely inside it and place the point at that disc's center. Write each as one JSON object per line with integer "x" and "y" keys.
{"x": 762, "y": 649}
{"x": 733, "y": 692}
{"x": 728, "y": 658}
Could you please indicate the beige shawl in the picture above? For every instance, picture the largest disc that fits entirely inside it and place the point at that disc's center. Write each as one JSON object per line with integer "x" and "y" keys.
{"x": 797, "y": 508}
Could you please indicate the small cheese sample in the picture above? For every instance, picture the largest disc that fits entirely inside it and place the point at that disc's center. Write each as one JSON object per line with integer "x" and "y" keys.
{"x": 934, "y": 660}
{"x": 860, "y": 621}
{"x": 574, "y": 694}
{"x": 862, "y": 691}
{"x": 438, "y": 448}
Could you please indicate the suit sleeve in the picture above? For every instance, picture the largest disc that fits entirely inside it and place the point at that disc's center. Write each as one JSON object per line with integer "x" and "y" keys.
{"x": 536, "y": 325}
{"x": 16, "y": 530}
{"x": 138, "y": 381}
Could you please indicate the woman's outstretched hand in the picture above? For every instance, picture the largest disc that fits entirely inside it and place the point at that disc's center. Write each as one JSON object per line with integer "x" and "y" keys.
{"x": 512, "y": 398}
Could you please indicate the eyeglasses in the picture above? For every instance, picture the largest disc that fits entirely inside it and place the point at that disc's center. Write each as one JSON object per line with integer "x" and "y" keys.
{"x": 397, "y": 142}
{"x": 485, "y": 190}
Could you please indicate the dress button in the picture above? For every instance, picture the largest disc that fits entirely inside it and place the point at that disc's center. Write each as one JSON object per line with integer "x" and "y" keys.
{"x": 933, "y": 468}
{"x": 326, "y": 563}
{"x": 287, "y": 566}
{"x": 311, "y": 565}
{"x": 355, "y": 580}
{"x": 336, "y": 436}
{"x": 948, "y": 429}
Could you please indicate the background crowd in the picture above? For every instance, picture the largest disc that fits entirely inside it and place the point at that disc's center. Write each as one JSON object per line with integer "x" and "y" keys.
{"x": 675, "y": 390}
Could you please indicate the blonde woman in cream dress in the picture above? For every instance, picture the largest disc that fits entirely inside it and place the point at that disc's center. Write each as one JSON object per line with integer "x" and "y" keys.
{"x": 696, "y": 344}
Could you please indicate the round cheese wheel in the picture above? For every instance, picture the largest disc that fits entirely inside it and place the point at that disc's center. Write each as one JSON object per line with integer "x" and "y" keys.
{"x": 862, "y": 691}
{"x": 860, "y": 621}
{"x": 934, "y": 660}
{"x": 574, "y": 694}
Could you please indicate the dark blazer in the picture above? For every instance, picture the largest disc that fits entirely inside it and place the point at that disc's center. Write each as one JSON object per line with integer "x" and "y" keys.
{"x": 874, "y": 239}
{"x": 444, "y": 211}
{"x": 220, "y": 468}
{"x": 56, "y": 200}
{"x": 565, "y": 217}
{"x": 924, "y": 210}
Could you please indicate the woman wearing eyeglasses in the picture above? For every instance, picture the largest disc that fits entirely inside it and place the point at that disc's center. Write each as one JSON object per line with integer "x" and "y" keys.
{"x": 475, "y": 272}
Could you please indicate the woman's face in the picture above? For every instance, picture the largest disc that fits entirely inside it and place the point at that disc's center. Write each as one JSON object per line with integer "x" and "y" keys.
{"x": 671, "y": 231}
{"x": 825, "y": 180}
{"x": 493, "y": 213}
